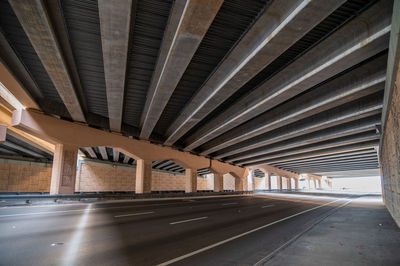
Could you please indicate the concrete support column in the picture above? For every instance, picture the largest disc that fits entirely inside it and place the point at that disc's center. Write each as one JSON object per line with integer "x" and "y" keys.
{"x": 191, "y": 180}
{"x": 319, "y": 183}
{"x": 218, "y": 182}
{"x": 279, "y": 181}
{"x": 252, "y": 180}
{"x": 315, "y": 183}
{"x": 296, "y": 183}
{"x": 63, "y": 174}
{"x": 238, "y": 184}
{"x": 268, "y": 177}
{"x": 143, "y": 176}
{"x": 289, "y": 183}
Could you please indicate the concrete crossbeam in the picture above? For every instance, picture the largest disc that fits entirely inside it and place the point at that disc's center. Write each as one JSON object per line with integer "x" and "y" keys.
{"x": 342, "y": 114}
{"x": 340, "y": 149}
{"x": 355, "y": 84}
{"x": 35, "y": 20}
{"x": 61, "y": 131}
{"x": 274, "y": 32}
{"x": 188, "y": 23}
{"x": 362, "y": 137}
{"x": 115, "y": 23}
{"x": 352, "y": 128}
{"x": 360, "y": 39}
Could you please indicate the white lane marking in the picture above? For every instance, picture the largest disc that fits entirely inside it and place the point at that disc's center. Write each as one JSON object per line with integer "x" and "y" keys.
{"x": 92, "y": 209}
{"x": 231, "y": 203}
{"x": 240, "y": 235}
{"x": 185, "y": 221}
{"x": 132, "y": 214}
{"x": 267, "y": 206}
{"x": 73, "y": 245}
{"x": 266, "y": 258}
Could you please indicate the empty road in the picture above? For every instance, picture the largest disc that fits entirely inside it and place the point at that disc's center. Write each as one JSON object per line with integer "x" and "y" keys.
{"x": 207, "y": 231}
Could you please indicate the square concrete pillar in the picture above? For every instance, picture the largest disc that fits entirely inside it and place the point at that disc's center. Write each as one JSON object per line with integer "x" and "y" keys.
{"x": 191, "y": 180}
{"x": 296, "y": 183}
{"x": 143, "y": 176}
{"x": 319, "y": 183}
{"x": 268, "y": 177}
{"x": 63, "y": 173}
{"x": 289, "y": 183}
{"x": 315, "y": 183}
{"x": 218, "y": 182}
{"x": 238, "y": 184}
{"x": 279, "y": 181}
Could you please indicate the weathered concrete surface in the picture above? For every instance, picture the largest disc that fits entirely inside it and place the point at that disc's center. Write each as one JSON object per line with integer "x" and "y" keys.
{"x": 36, "y": 23}
{"x": 187, "y": 26}
{"x": 390, "y": 141}
{"x": 115, "y": 23}
{"x": 360, "y": 39}
{"x": 369, "y": 106}
{"x": 362, "y": 233}
{"x": 279, "y": 27}
{"x": 362, "y": 81}
{"x": 63, "y": 175}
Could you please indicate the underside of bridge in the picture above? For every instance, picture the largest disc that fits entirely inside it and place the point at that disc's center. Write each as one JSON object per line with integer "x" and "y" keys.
{"x": 171, "y": 95}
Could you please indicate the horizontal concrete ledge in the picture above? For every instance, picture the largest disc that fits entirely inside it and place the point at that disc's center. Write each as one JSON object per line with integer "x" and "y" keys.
{"x": 115, "y": 195}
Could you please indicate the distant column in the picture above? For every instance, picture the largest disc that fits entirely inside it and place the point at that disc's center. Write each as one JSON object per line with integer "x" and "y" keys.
{"x": 191, "y": 180}
{"x": 253, "y": 183}
{"x": 319, "y": 183}
{"x": 315, "y": 183}
{"x": 279, "y": 181}
{"x": 143, "y": 176}
{"x": 218, "y": 182}
{"x": 296, "y": 183}
{"x": 268, "y": 176}
{"x": 289, "y": 183}
{"x": 63, "y": 174}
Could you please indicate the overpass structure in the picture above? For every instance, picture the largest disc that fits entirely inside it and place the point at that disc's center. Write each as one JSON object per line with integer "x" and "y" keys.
{"x": 200, "y": 88}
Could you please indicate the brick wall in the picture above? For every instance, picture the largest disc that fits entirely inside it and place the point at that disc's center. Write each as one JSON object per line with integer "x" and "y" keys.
{"x": 34, "y": 177}
{"x": 390, "y": 157}
{"x": 24, "y": 177}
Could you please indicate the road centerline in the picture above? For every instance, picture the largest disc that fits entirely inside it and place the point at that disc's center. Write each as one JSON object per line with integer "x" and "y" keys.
{"x": 190, "y": 220}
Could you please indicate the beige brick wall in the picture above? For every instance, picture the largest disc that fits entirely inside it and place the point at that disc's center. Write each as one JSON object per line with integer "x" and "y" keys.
{"x": 30, "y": 177}
{"x": 229, "y": 182}
{"x": 24, "y": 177}
{"x": 94, "y": 177}
{"x": 91, "y": 177}
{"x": 260, "y": 183}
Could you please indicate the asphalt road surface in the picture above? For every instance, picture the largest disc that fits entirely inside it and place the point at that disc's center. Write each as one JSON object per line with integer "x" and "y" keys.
{"x": 235, "y": 230}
